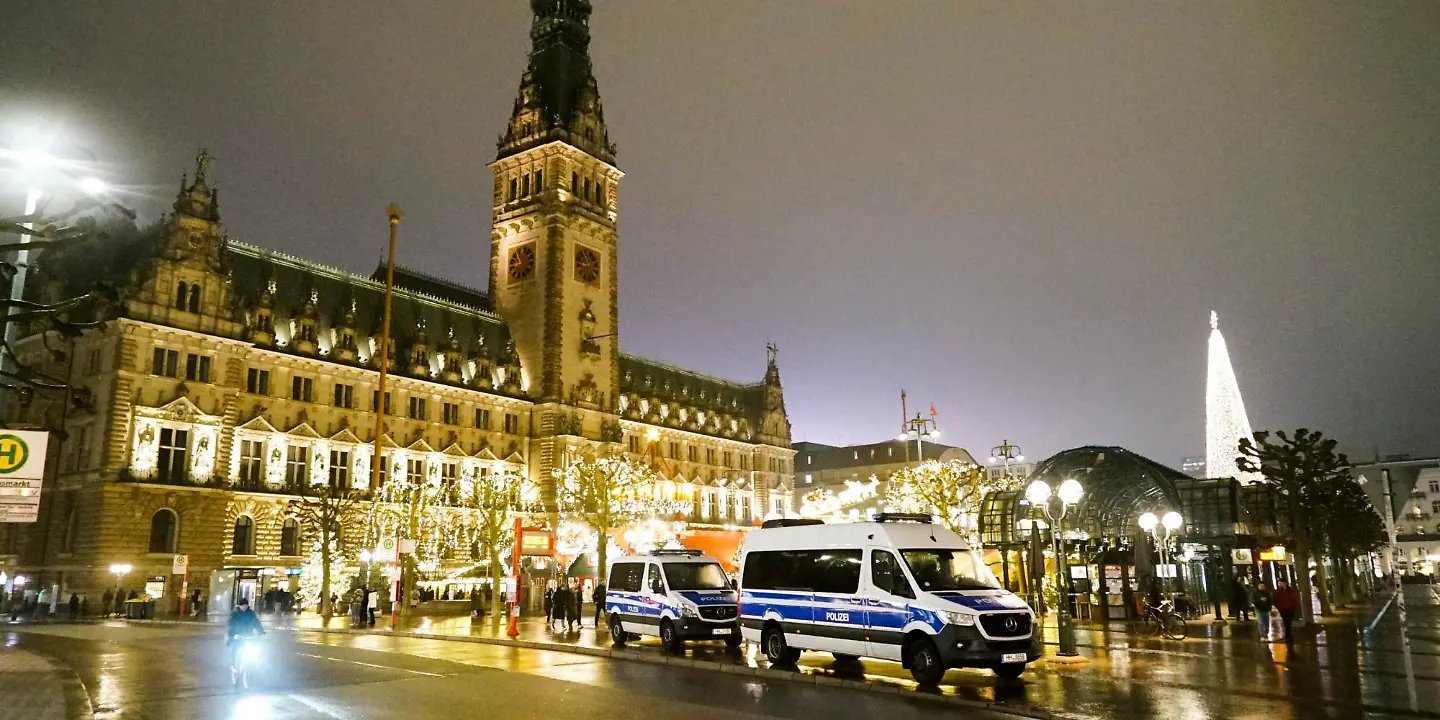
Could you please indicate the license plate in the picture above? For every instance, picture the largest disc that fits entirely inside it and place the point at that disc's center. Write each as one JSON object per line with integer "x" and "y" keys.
{"x": 721, "y": 631}
{"x": 1012, "y": 658}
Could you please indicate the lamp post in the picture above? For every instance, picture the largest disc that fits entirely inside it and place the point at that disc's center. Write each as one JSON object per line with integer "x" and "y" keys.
{"x": 918, "y": 428}
{"x": 1069, "y": 493}
{"x": 120, "y": 570}
{"x": 1007, "y": 453}
{"x": 1161, "y": 529}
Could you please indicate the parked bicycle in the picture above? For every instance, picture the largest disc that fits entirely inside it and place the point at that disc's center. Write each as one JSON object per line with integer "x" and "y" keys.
{"x": 1163, "y": 620}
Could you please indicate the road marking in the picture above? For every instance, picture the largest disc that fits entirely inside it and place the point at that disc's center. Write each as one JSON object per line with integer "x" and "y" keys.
{"x": 382, "y": 667}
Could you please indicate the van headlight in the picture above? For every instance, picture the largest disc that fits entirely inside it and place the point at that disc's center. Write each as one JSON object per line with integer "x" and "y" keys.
{"x": 957, "y": 618}
{"x": 687, "y": 611}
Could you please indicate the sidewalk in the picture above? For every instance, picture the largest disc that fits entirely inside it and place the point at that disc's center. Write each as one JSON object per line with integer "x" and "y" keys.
{"x": 32, "y": 688}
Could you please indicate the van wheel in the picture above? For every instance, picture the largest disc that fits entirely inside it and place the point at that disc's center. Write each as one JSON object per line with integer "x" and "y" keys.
{"x": 925, "y": 663}
{"x": 1009, "y": 671}
{"x": 669, "y": 639}
{"x": 617, "y": 632}
{"x": 777, "y": 651}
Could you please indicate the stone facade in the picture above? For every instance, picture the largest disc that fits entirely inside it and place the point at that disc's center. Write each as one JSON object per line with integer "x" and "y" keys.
{"x": 237, "y": 375}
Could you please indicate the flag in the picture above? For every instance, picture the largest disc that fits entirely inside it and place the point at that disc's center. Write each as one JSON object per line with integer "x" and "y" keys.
{"x": 933, "y": 412}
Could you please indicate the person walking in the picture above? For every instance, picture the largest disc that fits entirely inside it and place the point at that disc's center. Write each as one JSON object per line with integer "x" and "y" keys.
{"x": 106, "y": 602}
{"x": 74, "y": 605}
{"x": 120, "y": 604}
{"x": 577, "y": 600}
{"x": 549, "y": 604}
{"x": 561, "y": 601}
{"x": 1287, "y": 601}
{"x": 1260, "y": 598}
{"x": 372, "y": 603}
{"x": 599, "y": 597}
{"x": 1240, "y": 600}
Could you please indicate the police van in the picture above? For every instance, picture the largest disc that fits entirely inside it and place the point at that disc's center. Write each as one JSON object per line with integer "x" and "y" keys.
{"x": 677, "y": 595}
{"x": 899, "y": 588}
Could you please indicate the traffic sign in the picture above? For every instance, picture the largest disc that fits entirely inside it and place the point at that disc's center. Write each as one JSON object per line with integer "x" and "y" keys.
{"x": 22, "y": 470}
{"x": 180, "y": 564}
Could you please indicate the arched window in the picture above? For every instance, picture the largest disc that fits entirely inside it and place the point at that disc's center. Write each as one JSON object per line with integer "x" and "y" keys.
{"x": 182, "y": 292}
{"x": 162, "y": 531}
{"x": 244, "y": 543}
{"x": 290, "y": 537}
{"x": 195, "y": 298}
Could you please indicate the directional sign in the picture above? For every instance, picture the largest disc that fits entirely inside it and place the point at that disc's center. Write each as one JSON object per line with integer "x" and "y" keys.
{"x": 180, "y": 564}
{"x": 22, "y": 469}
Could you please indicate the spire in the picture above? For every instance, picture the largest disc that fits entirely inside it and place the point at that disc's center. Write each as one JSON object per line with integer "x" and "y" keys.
{"x": 197, "y": 200}
{"x": 772, "y": 365}
{"x": 558, "y": 98}
{"x": 1225, "y": 418}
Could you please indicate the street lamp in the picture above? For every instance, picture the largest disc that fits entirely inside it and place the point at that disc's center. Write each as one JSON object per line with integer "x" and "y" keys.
{"x": 1069, "y": 493}
{"x": 120, "y": 570}
{"x": 1161, "y": 528}
{"x": 920, "y": 429}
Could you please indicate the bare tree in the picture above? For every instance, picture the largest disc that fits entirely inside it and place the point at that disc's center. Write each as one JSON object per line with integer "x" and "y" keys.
{"x": 324, "y": 511}
{"x": 492, "y": 501}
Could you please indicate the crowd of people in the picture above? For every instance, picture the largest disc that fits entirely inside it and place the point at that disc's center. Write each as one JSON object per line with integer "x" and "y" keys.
{"x": 565, "y": 604}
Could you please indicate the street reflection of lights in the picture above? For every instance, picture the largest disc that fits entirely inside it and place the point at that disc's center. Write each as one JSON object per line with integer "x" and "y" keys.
{"x": 253, "y": 707}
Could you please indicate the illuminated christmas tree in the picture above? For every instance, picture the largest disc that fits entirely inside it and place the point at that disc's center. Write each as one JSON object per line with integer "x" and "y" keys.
{"x": 1225, "y": 419}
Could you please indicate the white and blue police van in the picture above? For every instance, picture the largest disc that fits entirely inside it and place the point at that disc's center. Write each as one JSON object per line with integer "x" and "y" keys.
{"x": 676, "y": 595}
{"x": 898, "y": 588}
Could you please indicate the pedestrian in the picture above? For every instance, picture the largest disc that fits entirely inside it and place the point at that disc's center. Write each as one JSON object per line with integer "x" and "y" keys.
{"x": 85, "y": 606}
{"x": 106, "y": 602}
{"x": 74, "y": 605}
{"x": 1260, "y": 598}
{"x": 120, "y": 603}
{"x": 599, "y": 597}
{"x": 549, "y": 605}
{"x": 372, "y": 603}
{"x": 1240, "y": 599}
{"x": 1287, "y": 601}
{"x": 561, "y": 602}
{"x": 577, "y": 599}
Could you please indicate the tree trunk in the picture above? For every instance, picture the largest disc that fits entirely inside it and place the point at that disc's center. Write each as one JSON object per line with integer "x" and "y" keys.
{"x": 325, "y": 610}
{"x": 1322, "y": 587}
{"x": 496, "y": 578}
{"x": 602, "y": 544}
{"x": 1302, "y": 556}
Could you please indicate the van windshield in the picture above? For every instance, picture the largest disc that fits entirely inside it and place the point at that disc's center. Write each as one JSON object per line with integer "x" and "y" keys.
{"x": 696, "y": 576}
{"x": 946, "y": 569}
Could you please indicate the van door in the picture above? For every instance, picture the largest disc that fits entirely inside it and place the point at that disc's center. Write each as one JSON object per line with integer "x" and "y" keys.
{"x": 838, "y": 606}
{"x": 655, "y": 598}
{"x": 887, "y": 606}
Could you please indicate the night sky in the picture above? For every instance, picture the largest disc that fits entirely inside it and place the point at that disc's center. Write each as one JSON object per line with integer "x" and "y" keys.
{"x": 1021, "y": 212}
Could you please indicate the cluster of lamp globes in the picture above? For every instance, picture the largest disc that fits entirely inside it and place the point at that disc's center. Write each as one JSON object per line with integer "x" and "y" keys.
{"x": 1170, "y": 521}
{"x": 1069, "y": 492}
{"x": 36, "y": 162}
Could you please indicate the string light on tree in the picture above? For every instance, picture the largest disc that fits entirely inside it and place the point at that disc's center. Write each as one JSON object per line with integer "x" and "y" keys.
{"x": 1225, "y": 419}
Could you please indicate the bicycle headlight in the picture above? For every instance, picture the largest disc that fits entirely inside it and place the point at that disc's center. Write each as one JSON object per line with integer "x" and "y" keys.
{"x": 957, "y": 618}
{"x": 250, "y": 652}
{"x": 689, "y": 611}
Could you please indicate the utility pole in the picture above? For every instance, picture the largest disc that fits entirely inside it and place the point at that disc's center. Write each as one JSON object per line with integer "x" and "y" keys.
{"x": 380, "y": 405}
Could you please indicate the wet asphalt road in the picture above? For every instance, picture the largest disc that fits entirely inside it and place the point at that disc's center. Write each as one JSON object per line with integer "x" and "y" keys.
{"x": 160, "y": 672}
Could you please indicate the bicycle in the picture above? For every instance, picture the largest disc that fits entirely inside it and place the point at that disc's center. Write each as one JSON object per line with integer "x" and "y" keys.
{"x": 1163, "y": 620}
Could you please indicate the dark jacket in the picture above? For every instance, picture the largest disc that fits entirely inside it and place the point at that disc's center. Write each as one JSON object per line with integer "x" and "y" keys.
{"x": 244, "y": 623}
{"x": 1261, "y": 598}
{"x": 1287, "y": 600}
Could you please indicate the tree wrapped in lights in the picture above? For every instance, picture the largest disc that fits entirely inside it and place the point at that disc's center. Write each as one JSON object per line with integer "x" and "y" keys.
{"x": 324, "y": 511}
{"x": 325, "y": 561}
{"x": 825, "y": 503}
{"x": 407, "y": 508}
{"x": 491, "y": 502}
{"x": 606, "y": 494}
{"x": 949, "y": 491}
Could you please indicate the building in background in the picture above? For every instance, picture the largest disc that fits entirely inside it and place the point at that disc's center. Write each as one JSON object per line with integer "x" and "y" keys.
{"x": 1193, "y": 466}
{"x": 237, "y": 375}
{"x": 845, "y": 472}
{"x": 1414, "y": 489}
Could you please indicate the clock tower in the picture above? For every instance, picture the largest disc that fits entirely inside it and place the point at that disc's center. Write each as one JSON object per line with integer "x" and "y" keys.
{"x": 553, "y": 243}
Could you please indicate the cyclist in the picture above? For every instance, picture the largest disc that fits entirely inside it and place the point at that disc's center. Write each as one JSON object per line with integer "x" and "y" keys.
{"x": 244, "y": 623}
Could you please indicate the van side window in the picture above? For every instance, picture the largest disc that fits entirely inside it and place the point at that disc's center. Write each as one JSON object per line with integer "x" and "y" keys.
{"x": 839, "y": 571}
{"x": 829, "y": 571}
{"x": 657, "y": 585}
{"x": 625, "y": 577}
{"x": 885, "y": 574}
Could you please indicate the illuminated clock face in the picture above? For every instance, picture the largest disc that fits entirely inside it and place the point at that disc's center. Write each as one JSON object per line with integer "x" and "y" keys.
{"x": 587, "y": 266}
{"x": 522, "y": 262}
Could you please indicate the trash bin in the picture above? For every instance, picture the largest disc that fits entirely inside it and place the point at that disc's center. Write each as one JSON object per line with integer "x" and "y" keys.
{"x": 139, "y": 609}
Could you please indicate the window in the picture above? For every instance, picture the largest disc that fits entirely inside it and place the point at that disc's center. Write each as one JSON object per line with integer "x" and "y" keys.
{"x": 674, "y": 450}
{"x": 449, "y": 472}
{"x": 252, "y": 463}
{"x": 514, "y": 187}
{"x": 165, "y": 362}
{"x": 344, "y": 396}
{"x": 195, "y": 298}
{"x": 693, "y": 453}
{"x": 587, "y": 188}
{"x": 417, "y": 408}
{"x": 182, "y": 295}
{"x": 808, "y": 479}
{"x": 599, "y": 191}
{"x": 695, "y": 576}
{"x": 290, "y": 537}
{"x": 944, "y": 569}
{"x": 722, "y": 503}
{"x": 512, "y": 424}
{"x": 339, "y": 469}
{"x": 302, "y": 389}
{"x": 1435, "y": 506}
{"x": 809, "y": 459}
{"x": 257, "y": 382}
{"x": 709, "y": 456}
{"x": 415, "y": 471}
{"x": 162, "y": 531}
{"x": 886, "y": 575}
{"x": 777, "y": 505}
{"x": 575, "y": 183}
{"x": 707, "y": 501}
{"x": 525, "y": 186}
{"x": 1435, "y": 486}
{"x": 244, "y": 542}
{"x": 384, "y": 468}
{"x": 634, "y": 443}
{"x": 827, "y": 571}
{"x": 375, "y": 401}
{"x": 297, "y": 465}
{"x": 539, "y": 180}
{"x": 626, "y": 576}
{"x": 744, "y": 461}
{"x": 655, "y": 582}
{"x": 174, "y": 446}
{"x": 197, "y": 367}
{"x": 82, "y": 448}
{"x": 450, "y": 413}
{"x": 482, "y": 418}
{"x": 729, "y": 459}
{"x": 742, "y": 509}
